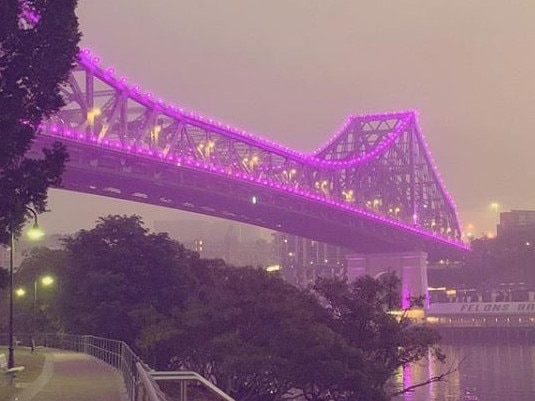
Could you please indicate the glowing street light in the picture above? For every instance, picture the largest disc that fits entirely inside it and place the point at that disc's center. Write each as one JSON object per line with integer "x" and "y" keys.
{"x": 47, "y": 280}
{"x": 35, "y": 233}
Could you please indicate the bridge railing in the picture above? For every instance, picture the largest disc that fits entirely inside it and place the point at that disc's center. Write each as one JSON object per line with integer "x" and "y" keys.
{"x": 139, "y": 379}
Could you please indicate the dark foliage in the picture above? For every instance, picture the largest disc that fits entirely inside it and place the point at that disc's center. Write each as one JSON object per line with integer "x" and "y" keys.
{"x": 38, "y": 47}
{"x": 117, "y": 272}
{"x": 360, "y": 312}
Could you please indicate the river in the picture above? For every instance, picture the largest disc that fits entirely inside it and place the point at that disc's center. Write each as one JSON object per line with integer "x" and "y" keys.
{"x": 492, "y": 372}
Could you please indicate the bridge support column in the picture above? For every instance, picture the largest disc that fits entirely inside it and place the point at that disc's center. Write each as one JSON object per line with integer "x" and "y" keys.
{"x": 411, "y": 267}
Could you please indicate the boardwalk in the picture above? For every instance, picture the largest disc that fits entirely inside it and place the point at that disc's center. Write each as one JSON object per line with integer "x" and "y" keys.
{"x": 69, "y": 376}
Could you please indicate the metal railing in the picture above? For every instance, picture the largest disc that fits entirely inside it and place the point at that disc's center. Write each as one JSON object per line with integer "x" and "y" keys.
{"x": 139, "y": 379}
{"x": 185, "y": 378}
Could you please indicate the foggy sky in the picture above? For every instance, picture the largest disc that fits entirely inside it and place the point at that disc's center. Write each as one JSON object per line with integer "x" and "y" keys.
{"x": 293, "y": 70}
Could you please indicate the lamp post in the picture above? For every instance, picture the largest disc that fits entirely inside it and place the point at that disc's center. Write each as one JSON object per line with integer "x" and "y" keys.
{"x": 11, "y": 352}
{"x": 45, "y": 281}
{"x": 35, "y": 233}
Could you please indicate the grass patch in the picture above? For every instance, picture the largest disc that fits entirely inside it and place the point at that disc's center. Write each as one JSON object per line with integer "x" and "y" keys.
{"x": 33, "y": 365}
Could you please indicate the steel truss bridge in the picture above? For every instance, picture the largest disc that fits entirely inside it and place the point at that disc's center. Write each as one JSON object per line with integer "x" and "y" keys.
{"x": 372, "y": 187}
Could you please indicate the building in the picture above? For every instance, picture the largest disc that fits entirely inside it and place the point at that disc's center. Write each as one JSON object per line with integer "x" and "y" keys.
{"x": 516, "y": 222}
{"x": 302, "y": 260}
{"x": 237, "y": 244}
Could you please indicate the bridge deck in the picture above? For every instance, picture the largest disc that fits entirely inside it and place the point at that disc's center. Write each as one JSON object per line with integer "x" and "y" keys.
{"x": 69, "y": 376}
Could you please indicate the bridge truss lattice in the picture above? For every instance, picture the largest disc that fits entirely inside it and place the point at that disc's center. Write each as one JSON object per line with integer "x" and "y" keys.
{"x": 377, "y": 168}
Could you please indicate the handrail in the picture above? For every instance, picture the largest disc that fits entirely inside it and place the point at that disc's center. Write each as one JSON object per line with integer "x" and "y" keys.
{"x": 148, "y": 383}
{"x": 138, "y": 378}
{"x": 183, "y": 376}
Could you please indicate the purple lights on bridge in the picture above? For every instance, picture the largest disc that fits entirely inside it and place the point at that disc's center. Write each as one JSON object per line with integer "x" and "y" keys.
{"x": 376, "y": 168}
{"x": 107, "y": 75}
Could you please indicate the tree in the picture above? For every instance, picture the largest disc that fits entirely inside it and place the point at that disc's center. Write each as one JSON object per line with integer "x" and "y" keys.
{"x": 38, "y": 47}
{"x": 359, "y": 312}
{"x": 260, "y": 339}
{"x": 256, "y": 337}
{"x": 117, "y": 272}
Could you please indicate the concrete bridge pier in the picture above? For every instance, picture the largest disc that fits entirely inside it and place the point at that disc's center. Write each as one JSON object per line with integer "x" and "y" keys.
{"x": 411, "y": 267}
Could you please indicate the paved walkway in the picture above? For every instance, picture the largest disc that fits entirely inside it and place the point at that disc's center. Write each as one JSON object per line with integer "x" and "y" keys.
{"x": 72, "y": 376}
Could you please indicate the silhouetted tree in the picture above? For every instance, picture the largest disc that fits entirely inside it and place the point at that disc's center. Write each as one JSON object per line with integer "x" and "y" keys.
{"x": 360, "y": 313}
{"x": 115, "y": 272}
{"x": 259, "y": 339}
{"x": 38, "y": 47}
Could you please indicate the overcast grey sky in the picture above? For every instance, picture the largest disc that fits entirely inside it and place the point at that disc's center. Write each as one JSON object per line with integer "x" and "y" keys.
{"x": 293, "y": 70}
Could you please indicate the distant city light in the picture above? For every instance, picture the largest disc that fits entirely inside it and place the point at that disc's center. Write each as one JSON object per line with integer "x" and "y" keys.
{"x": 273, "y": 268}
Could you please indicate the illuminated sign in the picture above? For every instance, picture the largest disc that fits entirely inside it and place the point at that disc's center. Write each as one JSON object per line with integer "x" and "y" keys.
{"x": 483, "y": 308}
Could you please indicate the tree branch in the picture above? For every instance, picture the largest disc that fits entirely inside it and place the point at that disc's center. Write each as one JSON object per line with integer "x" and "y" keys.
{"x": 433, "y": 379}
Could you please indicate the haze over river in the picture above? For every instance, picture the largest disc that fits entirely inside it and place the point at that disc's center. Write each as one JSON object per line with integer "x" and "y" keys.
{"x": 493, "y": 372}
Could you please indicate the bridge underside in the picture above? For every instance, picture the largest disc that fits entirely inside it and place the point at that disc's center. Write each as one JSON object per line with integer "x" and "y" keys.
{"x": 130, "y": 177}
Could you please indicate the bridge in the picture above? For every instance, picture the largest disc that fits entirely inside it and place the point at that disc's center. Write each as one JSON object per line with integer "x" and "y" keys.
{"x": 373, "y": 187}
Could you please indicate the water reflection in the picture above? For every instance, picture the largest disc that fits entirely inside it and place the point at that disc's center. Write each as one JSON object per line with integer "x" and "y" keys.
{"x": 493, "y": 372}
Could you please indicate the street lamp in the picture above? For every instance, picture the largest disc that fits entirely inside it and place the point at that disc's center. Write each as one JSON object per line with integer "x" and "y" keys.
{"x": 35, "y": 234}
{"x": 45, "y": 281}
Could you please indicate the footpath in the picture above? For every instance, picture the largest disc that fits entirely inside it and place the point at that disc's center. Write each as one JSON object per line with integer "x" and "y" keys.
{"x": 72, "y": 376}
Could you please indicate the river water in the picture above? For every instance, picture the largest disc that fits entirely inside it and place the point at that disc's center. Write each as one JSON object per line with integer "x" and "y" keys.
{"x": 492, "y": 372}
